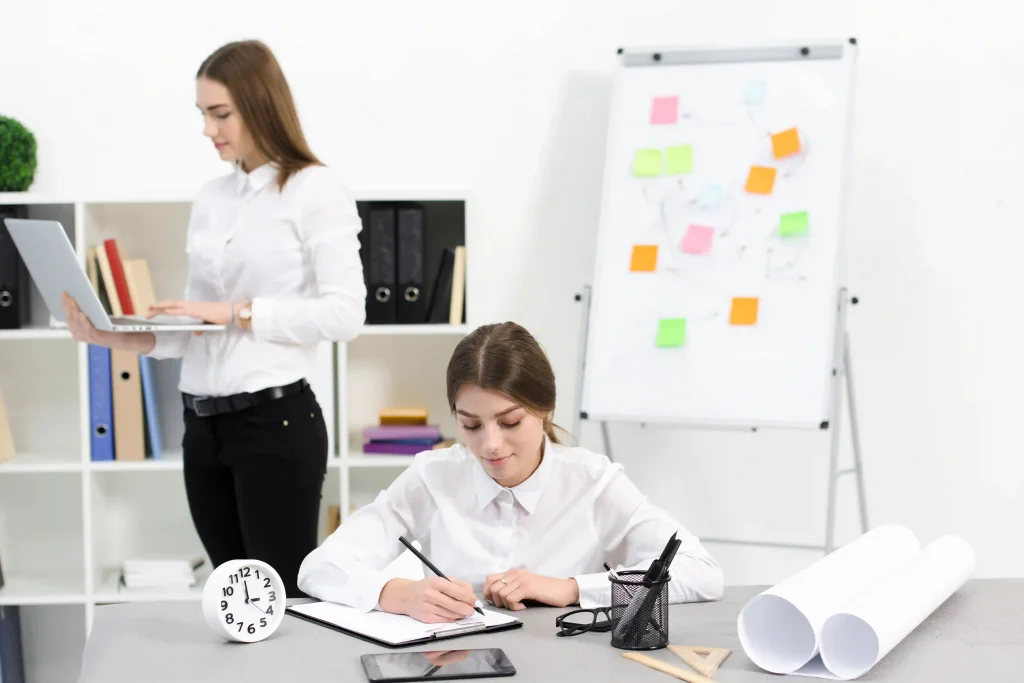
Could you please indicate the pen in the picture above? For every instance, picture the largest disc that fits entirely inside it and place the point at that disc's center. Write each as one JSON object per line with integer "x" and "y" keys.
{"x": 479, "y": 605}
{"x": 612, "y": 572}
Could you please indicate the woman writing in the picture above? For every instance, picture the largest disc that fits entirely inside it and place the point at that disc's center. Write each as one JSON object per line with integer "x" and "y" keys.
{"x": 510, "y": 511}
{"x": 273, "y": 252}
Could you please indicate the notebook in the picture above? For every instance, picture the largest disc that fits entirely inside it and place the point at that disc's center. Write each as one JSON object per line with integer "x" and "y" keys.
{"x": 397, "y": 630}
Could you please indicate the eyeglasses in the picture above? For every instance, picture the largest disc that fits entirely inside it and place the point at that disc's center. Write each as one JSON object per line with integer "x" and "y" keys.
{"x": 597, "y": 619}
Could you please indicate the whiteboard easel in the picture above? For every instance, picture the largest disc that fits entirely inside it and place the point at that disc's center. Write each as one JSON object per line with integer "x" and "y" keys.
{"x": 817, "y": 403}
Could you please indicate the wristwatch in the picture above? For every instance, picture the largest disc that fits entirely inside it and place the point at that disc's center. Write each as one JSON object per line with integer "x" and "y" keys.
{"x": 245, "y": 316}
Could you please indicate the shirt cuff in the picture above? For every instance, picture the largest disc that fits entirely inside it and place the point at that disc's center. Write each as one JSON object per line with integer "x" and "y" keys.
{"x": 262, "y": 318}
{"x": 169, "y": 345}
{"x": 595, "y": 590}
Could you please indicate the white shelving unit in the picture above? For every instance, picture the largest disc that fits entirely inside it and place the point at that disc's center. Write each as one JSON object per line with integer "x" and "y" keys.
{"x": 67, "y": 523}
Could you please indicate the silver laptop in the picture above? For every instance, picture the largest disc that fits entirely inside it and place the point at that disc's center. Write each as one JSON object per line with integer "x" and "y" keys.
{"x": 51, "y": 260}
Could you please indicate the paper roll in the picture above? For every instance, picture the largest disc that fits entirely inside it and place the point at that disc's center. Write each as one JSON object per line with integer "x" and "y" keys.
{"x": 780, "y": 628}
{"x": 858, "y": 637}
{"x": 839, "y": 617}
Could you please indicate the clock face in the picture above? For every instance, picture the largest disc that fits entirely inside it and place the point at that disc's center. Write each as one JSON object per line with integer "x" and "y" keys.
{"x": 245, "y": 599}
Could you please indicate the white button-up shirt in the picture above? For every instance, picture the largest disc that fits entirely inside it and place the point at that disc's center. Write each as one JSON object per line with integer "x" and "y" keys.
{"x": 575, "y": 512}
{"x": 293, "y": 253}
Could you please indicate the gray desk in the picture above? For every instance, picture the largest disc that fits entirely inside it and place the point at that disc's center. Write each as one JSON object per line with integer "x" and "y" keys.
{"x": 977, "y": 635}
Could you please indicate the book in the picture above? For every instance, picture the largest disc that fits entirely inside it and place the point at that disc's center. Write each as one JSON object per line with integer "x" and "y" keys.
{"x": 401, "y": 432}
{"x": 402, "y": 416}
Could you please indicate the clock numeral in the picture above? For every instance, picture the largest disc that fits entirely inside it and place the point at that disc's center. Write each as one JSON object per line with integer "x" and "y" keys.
{"x": 270, "y": 610}
{"x": 251, "y": 629}
{"x": 228, "y": 591}
{"x": 234, "y": 578}
{"x": 229, "y": 618}
{"x": 266, "y": 582}
{"x": 273, "y": 596}
{"x": 223, "y": 605}
{"x": 257, "y": 574}
{"x": 246, "y": 571}
{"x": 263, "y": 622}
{"x": 240, "y": 625}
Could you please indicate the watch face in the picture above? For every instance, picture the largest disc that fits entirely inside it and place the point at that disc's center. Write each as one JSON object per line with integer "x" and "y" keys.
{"x": 250, "y": 602}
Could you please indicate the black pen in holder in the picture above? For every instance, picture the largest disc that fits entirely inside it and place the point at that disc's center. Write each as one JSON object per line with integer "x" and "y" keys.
{"x": 639, "y": 611}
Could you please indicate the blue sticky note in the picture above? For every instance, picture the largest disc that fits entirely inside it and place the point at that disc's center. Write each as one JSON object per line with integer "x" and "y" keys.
{"x": 711, "y": 196}
{"x": 753, "y": 94}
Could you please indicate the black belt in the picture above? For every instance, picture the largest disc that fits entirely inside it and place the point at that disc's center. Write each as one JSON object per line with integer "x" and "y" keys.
{"x": 205, "y": 406}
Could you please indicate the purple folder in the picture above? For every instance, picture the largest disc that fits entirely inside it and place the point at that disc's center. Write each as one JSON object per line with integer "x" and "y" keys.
{"x": 395, "y": 432}
{"x": 373, "y": 448}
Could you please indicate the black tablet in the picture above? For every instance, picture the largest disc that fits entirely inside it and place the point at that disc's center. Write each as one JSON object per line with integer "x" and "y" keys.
{"x": 437, "y": 665}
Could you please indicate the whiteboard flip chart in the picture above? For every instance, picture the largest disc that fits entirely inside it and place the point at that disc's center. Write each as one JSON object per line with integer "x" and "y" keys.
{"x": 722, "y": 206}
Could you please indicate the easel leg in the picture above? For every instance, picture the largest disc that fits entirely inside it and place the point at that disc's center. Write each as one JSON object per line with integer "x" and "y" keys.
{"x": 607, "y": 441}
{"x": 858, "y": 464}
{"x": 833, "y": 461}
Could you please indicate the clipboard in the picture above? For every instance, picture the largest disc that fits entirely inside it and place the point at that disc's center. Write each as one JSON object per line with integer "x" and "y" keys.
{"x": 396, "y": 631}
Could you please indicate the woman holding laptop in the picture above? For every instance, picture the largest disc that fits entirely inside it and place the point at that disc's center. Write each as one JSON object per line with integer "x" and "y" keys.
{"x": 273, "y": 253}
{"x": 510, "y": 511}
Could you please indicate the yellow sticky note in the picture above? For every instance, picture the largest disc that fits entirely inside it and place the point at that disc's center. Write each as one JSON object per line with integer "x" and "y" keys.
{"x": 761, "y": 180}
{"x": 786, "y": 143}
{"x": 679, "y": 159}
{"x": 644, "y": 259}
{"x": 671, "y": 332}
{"x": 647, "y": 162}
{"x": 744, "y": 311}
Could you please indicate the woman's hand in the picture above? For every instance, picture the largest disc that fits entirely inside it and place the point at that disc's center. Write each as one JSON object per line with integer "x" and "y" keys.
{"x": 80, "y": 327}
{"x": 208, "y": 311}
{"x": 509, "y": 589}
{"x": 432, "y": 600}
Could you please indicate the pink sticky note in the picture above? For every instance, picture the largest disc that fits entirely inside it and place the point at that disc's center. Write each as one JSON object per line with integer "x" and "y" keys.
{"x": 697, "y": 239}
{"x": 665, "y": 110}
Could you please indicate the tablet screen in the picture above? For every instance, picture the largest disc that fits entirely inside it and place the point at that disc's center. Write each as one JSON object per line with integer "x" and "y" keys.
{"x": 435, "y": 665}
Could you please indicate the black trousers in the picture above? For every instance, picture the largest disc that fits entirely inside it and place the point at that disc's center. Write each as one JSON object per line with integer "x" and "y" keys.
{"x": 254, "y": 479}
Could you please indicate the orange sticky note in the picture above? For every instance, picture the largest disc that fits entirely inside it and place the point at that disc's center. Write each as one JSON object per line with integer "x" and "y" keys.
{"x": 744, "y": 311}
{"x": 761, "y": 180}
{"x": 786, "y": 143}
{"x": 645, "y": 258}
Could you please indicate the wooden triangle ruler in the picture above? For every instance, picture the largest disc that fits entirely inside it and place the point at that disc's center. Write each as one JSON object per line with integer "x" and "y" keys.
{"x": 704, "y": 660}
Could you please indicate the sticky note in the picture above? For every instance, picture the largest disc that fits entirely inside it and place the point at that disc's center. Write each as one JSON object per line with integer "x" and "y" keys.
{"x": 671, "y": 332}
{"x": 644, "y": 259}
{"x": 697, "y": 239}
{"x": 665, "y": 110}
{"x": 744, "y": 311}
{"x": 761, "y": 180}
{"x": 647, "y": 162}
{"x": 679, "y": 159}
{"x": 793, "y": 224}
{"x": 753, "y": 94}
{"x": 711, "y": 196}
{"x": 786, "y": 143}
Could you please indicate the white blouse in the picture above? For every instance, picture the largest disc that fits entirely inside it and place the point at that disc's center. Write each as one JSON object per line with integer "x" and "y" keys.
{"x": 293, "y": 253}
{"x": 575, "y": 512}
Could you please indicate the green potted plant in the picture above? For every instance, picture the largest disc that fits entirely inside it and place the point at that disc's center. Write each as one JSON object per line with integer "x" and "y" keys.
{"x": 17, "y": 156}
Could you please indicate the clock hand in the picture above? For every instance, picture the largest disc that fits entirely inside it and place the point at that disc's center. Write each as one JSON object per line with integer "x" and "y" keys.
{"x": 246, "y": 586}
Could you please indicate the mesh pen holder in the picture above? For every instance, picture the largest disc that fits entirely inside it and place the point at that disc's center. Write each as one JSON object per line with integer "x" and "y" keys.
{"x": 639, "y": 612}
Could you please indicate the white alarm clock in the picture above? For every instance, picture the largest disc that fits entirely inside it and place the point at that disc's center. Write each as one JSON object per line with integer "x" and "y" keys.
{"x": 244, "y": 600}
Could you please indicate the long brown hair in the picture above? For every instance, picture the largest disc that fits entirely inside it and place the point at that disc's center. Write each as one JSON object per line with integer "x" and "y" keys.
{"x": 251, "y": 73}
{"x": 504, "y": 357}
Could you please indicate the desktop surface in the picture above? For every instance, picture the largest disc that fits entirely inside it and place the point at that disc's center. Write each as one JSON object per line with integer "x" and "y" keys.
{"x": 978, "y": 634}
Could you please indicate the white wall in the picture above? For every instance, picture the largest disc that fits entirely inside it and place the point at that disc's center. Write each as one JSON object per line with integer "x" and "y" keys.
{"x": 508, "y": 103}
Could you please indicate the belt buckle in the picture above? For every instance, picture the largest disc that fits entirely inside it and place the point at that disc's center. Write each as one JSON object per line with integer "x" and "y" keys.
{"x": 197, "y": 406}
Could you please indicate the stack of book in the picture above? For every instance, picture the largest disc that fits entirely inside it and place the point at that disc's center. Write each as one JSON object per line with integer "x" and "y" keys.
{"x": 160, "y": 574}
{"x": 402, "y": 431}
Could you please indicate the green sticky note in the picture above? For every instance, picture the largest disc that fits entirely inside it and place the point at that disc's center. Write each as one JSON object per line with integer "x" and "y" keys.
{"x": 647, "y": 162}
{"x": 679, "y": 159}
{"x": 793, "y": 224}
{"x": 671, "y": 332}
